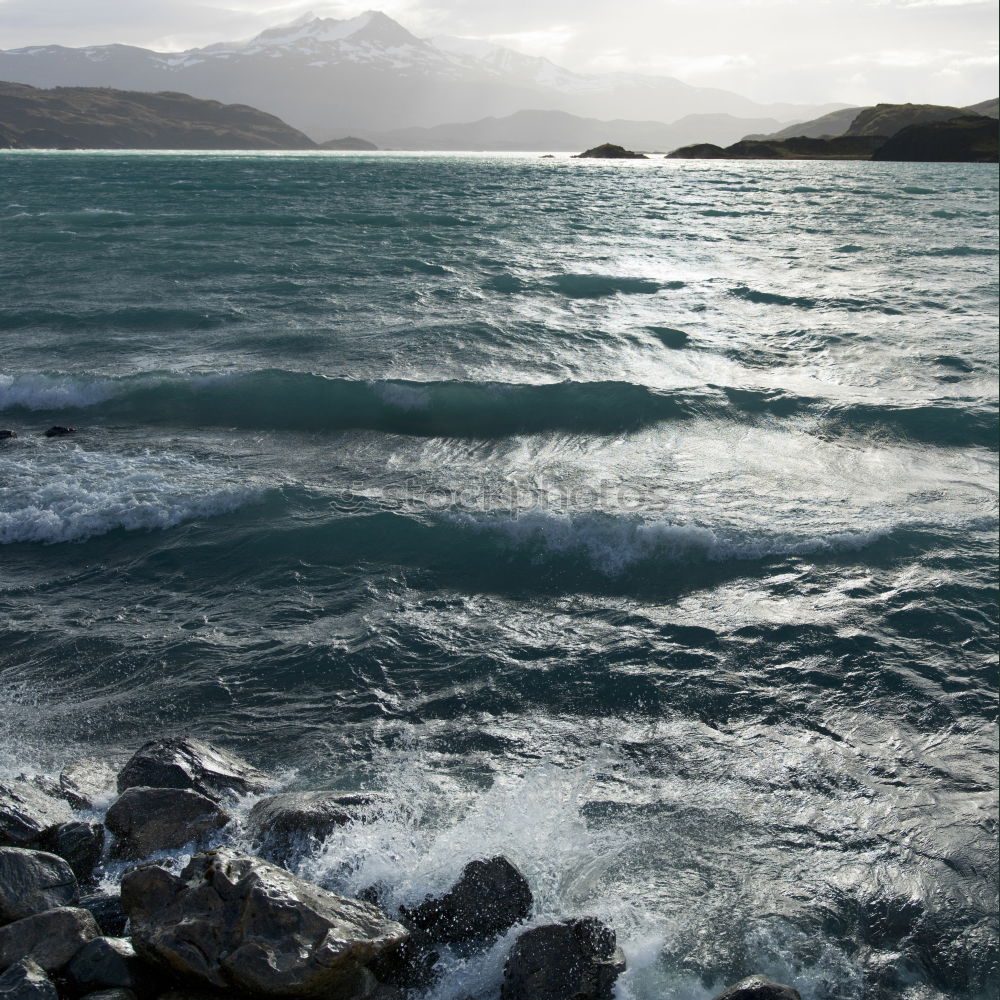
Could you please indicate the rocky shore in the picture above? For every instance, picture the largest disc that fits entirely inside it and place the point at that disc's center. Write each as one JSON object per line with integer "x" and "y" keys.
{"x": 223, "y": 922}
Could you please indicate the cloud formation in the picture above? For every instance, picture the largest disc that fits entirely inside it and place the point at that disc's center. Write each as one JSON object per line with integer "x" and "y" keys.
{"x": 858, "y": 51}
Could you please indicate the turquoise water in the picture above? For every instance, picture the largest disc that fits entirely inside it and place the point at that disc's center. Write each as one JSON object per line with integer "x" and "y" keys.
{"x": 635, "y": 519}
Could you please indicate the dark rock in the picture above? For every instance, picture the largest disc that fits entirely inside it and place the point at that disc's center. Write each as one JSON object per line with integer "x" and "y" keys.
{"x": 84, "y": 782}
{"x": 145, "y": 820}
{"x": 7, "y": 435}
{"x": 230, "y": 920}
{"x": 410, "y": 965}
{"x": 281, "y": 825}
{"x": 59, "y": 431}
{"x": 81, "y": 844}
{"x": 33, "y": 881}
{"x": 27, "y": 981}
{"x": 699, "y": 151}
{"x": 26, "y": 813}
{"x": 108, "y": 962}
{"x": 489, "y": 897}
{"x": 117, "y": 993}
{"x": 571, "y": 960}
{"x": 50, "y": 938}
{"x": 758, "y": 987}
{"x": 966, "y": 139}
{"x": 107, "y": 910}
{"x": 184, "y": 763}
{"x": 609, "y": 151}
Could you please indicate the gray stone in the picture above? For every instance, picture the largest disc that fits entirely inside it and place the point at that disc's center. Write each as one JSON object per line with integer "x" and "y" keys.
{"x": 489, "y": 897}
{"x": 80, "y": 844}
{"x": 571, "y": 960}
{"x": 33, "y": 881}
{"x": 145, "y": 820}
{"x": 758, "y": 987}
{"x": 231, "y": 920}
{"x": 108, "y": 962}
{"x": 27, "y": 981}
{"x": 85, "y": 782}
{"x": 26, "y": 813}
{"x": 186, "y": 763}
{"x": 107, "y": 911}
{"x": 281, "y": 826}
{"x": 50, "y": 938}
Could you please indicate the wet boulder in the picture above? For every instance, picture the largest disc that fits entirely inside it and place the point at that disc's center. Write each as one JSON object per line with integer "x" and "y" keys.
{"x": 489, "y": 898}
{"x": 146, "y": 820}
{"x": 6, "y": 435}
{"x": 233, "y": 921}
{"x": 106, "y": 909}
{"x": 188, "y": 763}
{"x": 281, "y": 825}
{"x": 80, "y": 844}
{"x": 50, "y": 938}
{"x": 27, "y": 812}
{"x": 59, "y": 431}
{"x": 33, "y": 881}
{"x": 108, "y": 962}
{"x": 27, "y": 981}
{"x": 85, "y": 782}
{"x": 571, "y": 960}
{"x": 758, "y": 987}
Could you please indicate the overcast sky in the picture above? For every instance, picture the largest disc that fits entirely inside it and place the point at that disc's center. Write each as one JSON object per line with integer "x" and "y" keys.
{"x": 858, "y": 51}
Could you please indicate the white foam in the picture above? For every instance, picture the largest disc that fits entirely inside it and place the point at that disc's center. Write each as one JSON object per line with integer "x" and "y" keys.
{"x": 52, "y": 392}
{"x": 612, "y": 544}
{"x": 56, "y": 495}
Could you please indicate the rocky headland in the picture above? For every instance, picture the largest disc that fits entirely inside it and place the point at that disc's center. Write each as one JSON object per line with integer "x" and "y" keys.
{"x": 899, "y": 132}
{"x": 101, "y": 118}
{"x": 192, "y": 914}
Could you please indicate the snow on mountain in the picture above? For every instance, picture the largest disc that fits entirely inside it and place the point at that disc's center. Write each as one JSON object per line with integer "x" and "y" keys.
{"x": 324, "y": 75}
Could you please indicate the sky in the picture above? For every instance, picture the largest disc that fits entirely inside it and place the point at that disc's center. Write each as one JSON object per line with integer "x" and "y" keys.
{"x": 809, "y": 51}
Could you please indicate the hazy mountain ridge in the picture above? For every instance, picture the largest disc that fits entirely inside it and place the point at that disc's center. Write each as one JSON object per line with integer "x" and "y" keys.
{"x": 97, "y": 118}
{"x": 327, "y": 76}
{"x": 534, "y": 130}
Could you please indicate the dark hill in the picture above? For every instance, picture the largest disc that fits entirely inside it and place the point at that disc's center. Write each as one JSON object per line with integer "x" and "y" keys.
{"x": 888, "y": 119}
{"x": 968, "y": 139}
{"x": 101, "y": 118}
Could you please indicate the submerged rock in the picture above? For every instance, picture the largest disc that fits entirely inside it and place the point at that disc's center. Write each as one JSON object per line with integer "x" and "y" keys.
{"x": 108, "y": 962}
{"x": 50, "y": 938}
{"x": 26, "y": 813}
{"x": 145, "y": 820}
{"x": 231, "y": 920}
{"x": 758, "y": 987}
{"x": 80, "y": 844}
{"x": 7, "y": 435}
{"x": 59, "y": 431}
{"x": 188, "y": 763}
{"x": 33, "y": 881}
{"x": 489, "y": 898}
{"x": 27, "y": 981}
{"x": 609, "y": 151}
{"x": 84, "y": 782}
{"x": 571, "y": 960}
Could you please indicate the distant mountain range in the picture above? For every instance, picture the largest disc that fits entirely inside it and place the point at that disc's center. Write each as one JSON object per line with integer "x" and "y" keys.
{"x": 560, "y": 131}
{"x": 328, "y": 77}
{"x": 97, "y": 118}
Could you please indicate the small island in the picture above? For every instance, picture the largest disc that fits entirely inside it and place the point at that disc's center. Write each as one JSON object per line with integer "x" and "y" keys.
{"x": 609, "y": 151}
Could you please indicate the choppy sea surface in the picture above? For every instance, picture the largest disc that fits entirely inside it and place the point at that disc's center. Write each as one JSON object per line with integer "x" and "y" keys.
{"x": 636, "y": 520}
